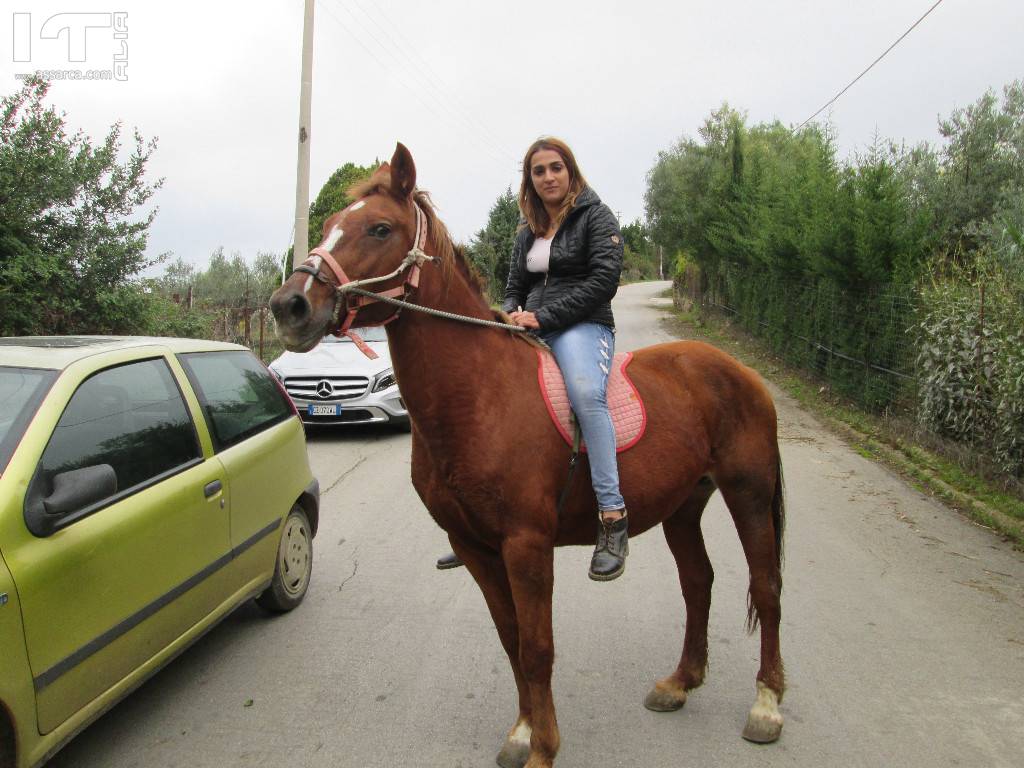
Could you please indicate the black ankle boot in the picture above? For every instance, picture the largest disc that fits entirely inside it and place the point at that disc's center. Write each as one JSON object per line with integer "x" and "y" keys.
{"x": 451, "y": 560}
{"x": 609, "y": 559}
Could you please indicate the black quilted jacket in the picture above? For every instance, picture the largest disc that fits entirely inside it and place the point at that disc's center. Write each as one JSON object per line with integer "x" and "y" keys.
{"x": 583, "y": 274}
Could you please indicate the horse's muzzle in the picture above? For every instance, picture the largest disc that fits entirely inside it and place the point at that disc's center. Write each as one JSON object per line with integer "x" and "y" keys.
{"x": 291, "y": 310}
{"x": 297, "y": 324}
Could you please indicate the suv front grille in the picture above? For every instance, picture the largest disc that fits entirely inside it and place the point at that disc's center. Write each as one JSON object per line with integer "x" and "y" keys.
{"x": 341, "y": 387}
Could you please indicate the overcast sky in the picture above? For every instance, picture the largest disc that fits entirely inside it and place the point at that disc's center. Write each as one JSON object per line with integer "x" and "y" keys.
{"x": 467, "y": 85}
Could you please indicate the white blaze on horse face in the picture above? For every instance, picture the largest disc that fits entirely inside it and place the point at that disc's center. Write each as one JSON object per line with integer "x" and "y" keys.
{"x": 332, "y": 238}
{"x": 337, "y": 232}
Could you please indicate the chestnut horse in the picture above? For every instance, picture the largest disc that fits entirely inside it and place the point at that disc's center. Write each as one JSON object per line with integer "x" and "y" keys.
{"x": 489, "y": 465}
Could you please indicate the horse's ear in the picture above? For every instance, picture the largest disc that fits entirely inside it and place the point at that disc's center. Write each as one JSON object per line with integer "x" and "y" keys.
{"x": 403, "y": 172}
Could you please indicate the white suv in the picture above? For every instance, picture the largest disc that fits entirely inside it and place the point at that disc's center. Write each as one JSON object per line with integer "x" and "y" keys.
{"x": 335, "y": 383}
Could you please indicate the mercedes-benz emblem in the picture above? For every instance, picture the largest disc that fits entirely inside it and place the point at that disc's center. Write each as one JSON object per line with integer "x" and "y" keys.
{"x": 324, "y": 389}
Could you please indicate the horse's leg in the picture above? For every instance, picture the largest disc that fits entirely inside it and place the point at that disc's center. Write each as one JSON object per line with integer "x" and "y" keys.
{"x": 529, "y": 560}
{"x": 683, "y": 534}
{"x": 488, "y": 571}
{"x": 751, "y": 500}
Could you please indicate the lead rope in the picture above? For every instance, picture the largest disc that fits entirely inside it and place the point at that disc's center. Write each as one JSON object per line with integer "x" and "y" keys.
{"x": 435, "y": 312}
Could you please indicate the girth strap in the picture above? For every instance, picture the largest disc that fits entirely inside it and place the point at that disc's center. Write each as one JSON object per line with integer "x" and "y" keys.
{"x": 573, "y": 460}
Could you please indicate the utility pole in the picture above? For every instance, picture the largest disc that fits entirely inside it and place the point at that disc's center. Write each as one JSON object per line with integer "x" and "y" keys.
{"x": 301, "y": 245}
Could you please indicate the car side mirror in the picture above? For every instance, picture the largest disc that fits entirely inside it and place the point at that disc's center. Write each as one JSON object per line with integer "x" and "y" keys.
{"x": 72, "y": 491}
{"x": 78, "y": 488}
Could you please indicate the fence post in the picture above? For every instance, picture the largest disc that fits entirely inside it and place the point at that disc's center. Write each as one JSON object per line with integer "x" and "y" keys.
{"x": 246, "y": 320}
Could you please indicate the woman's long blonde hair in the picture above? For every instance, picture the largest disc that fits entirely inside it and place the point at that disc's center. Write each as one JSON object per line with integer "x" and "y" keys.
{"x": 530, "y": 204}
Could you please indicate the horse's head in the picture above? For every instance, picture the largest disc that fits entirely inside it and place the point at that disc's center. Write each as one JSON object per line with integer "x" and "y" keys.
{"x": 379, "y": 236}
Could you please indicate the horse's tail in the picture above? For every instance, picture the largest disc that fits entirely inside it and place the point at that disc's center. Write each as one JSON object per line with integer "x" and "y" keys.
{"x": 779, "y": 526}
{"x": 779, "y": 516}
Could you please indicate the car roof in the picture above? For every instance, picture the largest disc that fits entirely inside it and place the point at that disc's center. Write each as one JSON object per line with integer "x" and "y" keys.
{"x": 58, "y": 352}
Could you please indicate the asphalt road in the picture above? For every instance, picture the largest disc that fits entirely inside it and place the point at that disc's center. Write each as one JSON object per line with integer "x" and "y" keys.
{"x": 903, "y": 636}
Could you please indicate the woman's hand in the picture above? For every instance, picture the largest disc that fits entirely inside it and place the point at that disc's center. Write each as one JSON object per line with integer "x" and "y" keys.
{"x": 524, "y": 319}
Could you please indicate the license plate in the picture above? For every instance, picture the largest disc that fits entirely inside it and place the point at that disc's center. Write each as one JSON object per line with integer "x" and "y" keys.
{"x": 323, "y": 410}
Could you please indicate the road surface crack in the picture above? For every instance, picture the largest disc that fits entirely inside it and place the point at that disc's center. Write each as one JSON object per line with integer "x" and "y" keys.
{"x": 343, "y": 475}
{"x": 355, "y": 570}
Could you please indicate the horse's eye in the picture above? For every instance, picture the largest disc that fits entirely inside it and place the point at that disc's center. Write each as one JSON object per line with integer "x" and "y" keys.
{"x": 380, "y": 231}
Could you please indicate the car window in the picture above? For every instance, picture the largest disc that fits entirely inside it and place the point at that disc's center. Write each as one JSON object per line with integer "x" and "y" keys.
{"x": 132, "y": 418}
{"x": 237, "y": 394}
{"x": 21, "y": 391}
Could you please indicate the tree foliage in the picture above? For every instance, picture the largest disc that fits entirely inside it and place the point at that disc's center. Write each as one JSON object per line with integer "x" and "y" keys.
{"x": 72, "y": 237}
{"x": 830, "y": 260}
{"x": 640, "y": 257}
{"x": 191, "y": 301}
{"x": 983, "y": 165}
{"x": 233, "y": 282}
{"x": 333, "y": 196}
{"x": 763, "y": 198}
{"x": 491, "y": 249}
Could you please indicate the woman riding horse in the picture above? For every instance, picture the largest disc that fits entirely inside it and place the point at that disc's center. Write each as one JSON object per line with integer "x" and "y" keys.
{"x": 565, "y": 270}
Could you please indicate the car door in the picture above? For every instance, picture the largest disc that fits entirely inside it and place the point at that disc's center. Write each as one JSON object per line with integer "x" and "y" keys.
{"x": 262, "y": 447}
{"x": 107, "y": 584}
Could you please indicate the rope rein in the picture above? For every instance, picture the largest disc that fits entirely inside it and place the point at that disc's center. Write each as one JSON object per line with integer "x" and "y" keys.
{"x": 435, "y": 312}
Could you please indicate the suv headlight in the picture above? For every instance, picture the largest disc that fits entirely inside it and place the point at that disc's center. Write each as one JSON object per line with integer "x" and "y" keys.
{"x": 383, "y": 380}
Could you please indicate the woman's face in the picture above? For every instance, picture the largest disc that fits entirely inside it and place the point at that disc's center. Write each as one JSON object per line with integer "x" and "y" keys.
{"x": 550, "y": 176}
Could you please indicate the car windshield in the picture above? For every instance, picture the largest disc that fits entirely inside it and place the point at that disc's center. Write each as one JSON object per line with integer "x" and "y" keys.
{"x": 21, "y": 391}
{"x": 373, "y": 333}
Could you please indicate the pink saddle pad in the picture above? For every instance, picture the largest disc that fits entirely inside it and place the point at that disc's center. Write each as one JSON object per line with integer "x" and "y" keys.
{"x": 627, "y": 409}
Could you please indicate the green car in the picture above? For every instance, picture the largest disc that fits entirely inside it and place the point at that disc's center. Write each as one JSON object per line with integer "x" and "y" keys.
{"x": 148, "y": 487}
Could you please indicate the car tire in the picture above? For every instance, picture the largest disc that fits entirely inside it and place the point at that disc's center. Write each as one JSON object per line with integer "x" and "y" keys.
{"x": 293, "y": 567}
{"x": 8, "y": 755}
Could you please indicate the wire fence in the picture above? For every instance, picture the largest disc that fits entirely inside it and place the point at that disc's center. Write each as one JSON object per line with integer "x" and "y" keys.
{"x": 252, "y": 326}
{"x": 950, "y": 364}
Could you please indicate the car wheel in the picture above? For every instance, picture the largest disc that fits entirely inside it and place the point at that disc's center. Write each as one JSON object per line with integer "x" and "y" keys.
{"x": 294, "y": 564}
{"x": 7, "y": 743}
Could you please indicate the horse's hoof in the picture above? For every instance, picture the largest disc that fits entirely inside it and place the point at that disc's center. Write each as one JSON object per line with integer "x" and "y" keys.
{"x": 762, "y": 731}
{"x": 665, "y": 697}
{"x": 764, "y": 724}
{"x": 513, "y": 755}
{"x": 516, "y": 750}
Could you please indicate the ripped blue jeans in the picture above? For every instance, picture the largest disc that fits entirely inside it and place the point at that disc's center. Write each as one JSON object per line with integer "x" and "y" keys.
{"x": 584, "y": 354}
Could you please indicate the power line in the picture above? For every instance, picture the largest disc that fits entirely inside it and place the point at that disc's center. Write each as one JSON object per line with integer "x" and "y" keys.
{"x": 426, "y": 102}
{"x": 870, "y": 66}
{"x": 421, "y": 71}
{"x": 406, "y": 48}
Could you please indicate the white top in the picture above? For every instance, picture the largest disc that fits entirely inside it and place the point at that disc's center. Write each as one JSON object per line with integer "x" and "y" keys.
{"x": 539, "y": 255}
